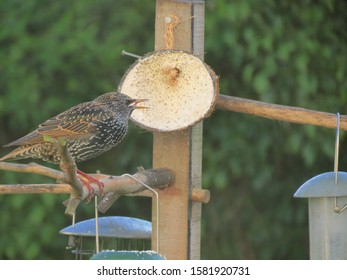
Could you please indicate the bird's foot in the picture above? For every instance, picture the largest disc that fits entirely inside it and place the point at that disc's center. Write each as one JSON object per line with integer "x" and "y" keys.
{"x": 90, "y": 189}
{"x": 87, "y": 181}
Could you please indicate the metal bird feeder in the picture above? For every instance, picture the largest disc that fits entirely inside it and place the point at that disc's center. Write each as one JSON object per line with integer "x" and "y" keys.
{"x": 180, "y": 87}
{"x": 327, "y": 202}
{"x": 115, "y": 233}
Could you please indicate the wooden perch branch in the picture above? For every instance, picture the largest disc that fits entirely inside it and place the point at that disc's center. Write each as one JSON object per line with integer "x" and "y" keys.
{"x": 68, "y": 165}
{"x": 32, "y": 168}
{"x": 155, "y": 178}
{"x": 35, "y": 188}
{"x": 114, "y": 186}
{"x": 158, "y": 178}
{"x": 280, "y": 112}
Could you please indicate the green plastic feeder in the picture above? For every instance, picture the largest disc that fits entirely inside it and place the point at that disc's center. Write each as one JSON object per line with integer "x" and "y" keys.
{"x": 127, "y": 255}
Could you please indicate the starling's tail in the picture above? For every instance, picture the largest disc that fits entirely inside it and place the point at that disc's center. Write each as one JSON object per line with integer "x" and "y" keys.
{"x": 22, "y": 152}
{"x": 29, "y": 139}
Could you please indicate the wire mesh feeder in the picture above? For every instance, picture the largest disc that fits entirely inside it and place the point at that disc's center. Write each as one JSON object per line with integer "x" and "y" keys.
{"x": 115, "y": 233}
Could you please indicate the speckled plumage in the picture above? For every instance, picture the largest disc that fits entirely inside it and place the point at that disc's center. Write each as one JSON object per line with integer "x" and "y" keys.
{"x": 90, "y": 128}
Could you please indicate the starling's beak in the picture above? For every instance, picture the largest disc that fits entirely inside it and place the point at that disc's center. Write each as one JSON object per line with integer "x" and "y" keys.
{"x": 135, "y": 103}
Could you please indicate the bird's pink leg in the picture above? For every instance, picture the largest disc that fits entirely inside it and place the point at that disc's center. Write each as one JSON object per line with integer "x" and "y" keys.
{"x": 86, "y": 184}
{"x": 87, "y": 180}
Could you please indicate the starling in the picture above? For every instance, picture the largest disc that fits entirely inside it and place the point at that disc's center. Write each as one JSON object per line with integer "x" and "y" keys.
{"x": 89, "y": 129}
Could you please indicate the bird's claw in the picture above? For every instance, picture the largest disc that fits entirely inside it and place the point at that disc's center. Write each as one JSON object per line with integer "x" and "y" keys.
{"x": 87, "y": 181}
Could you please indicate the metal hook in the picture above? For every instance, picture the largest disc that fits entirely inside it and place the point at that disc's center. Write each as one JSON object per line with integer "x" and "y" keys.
{"x": 337, "y": 209}
{"x": 157, "y": 203}
{"x": 73, "y": 219}
{"x": 97, "y": 248}
{"x": 337, "y": 141}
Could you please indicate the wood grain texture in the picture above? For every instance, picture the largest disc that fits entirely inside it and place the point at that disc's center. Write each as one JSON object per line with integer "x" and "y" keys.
{"x": 181, "y": 151}
{"x": 121, "y": 185}
{"x": 280, "y": 112}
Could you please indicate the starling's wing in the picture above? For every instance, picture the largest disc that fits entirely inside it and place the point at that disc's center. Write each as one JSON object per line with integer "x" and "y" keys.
{"x": 76, "y": 122}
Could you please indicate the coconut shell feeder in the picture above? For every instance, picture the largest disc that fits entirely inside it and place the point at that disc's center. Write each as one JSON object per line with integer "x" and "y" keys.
{"x": 181, "y": 90}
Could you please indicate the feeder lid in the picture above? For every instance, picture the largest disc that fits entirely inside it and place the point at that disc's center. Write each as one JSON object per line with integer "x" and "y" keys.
{"x": 181, "y": 90}
{"x": 118, "y": 227}
{"x": 323, "y": 185}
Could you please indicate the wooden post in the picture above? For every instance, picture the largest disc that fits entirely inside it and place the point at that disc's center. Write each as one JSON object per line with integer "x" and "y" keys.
{"x": 179, "y": 25}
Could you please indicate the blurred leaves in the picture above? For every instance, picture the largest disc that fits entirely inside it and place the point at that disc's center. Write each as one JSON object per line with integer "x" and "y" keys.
{"x": 291, "y": 53}
{"x": 55, "y": 54}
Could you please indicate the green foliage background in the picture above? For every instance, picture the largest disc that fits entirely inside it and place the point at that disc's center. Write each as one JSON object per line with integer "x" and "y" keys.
{"x": 54, "y": 54}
